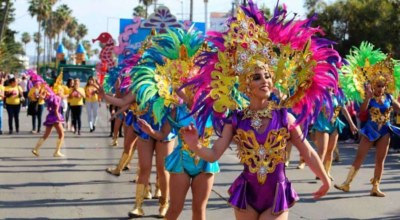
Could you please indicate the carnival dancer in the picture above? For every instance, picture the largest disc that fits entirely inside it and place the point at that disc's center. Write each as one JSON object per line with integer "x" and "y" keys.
{"x": 147, "y": 146}
{"x": 180, "y": 48}
{"x": 379, "y": 74}
{"x": 54, "y": 117}
{"x": 327, "y": 129}
{"x": 252, "y": 56}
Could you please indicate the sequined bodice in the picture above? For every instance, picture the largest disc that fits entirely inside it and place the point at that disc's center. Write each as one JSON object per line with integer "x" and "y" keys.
{"x": 262, "y": 152}
{"x": 182, "y": 121}
{"x": 336, "y": 109}
{"x": 380, "y": 112}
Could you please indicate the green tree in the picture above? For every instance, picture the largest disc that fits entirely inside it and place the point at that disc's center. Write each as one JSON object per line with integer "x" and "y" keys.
{"x": 4, "y": 16}
{"x": 72, "y": 28}
{"x": 63, "y": 16}
{"x": 349, "y": 22}
{"x": 9, "y": 47}
{"x": 26, "y": 38}
{"x": 88, "y": 47}
{"x": 146, "y": 4}
{"x": 82, "y": 31}
{"x": 139, "y": 11}
{"x": 41, "y": 9}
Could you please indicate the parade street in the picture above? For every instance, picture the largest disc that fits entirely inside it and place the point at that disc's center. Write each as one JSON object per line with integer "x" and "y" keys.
{"x": 77, "y": 186}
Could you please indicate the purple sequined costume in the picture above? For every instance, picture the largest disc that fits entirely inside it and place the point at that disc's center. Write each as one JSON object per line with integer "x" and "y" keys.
{"x": 263, "y": 183}
{"x": 52, "y": 102}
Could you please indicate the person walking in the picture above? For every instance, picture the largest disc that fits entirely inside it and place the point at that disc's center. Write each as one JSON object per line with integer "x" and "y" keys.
{"x": 36, "y": 105}
{"x": 1, "y": 103}
{"x": 14, "y": 95}
{"x": 92, "y": 102}
{"x": 24, "y": 85}
{"x": 77, "y": 94}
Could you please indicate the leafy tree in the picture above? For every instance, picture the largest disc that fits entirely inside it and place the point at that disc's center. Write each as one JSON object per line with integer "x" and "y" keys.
{"x": 82, "y": 31}
{"x": 88, "y": 47}
{"x": 139, "y": 11}
{"x": 146, "y": 4}
{"x": 26, "y": 38}
{"x": 41, "y": 9}
{"x": 349, "y": 22}
{"x": 9, "y": 47}
{"x": 72, "y": 28}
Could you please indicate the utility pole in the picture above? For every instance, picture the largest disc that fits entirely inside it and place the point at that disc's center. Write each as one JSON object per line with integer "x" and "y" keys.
{"x": 191, "y": 10}
{"x": 6, "y": 6}
{"x": 205, "y": 15}
{"x": 155, "y": 6}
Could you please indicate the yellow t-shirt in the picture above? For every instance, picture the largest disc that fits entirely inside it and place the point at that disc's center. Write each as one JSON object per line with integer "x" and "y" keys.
{"x": 76, "y": 98}
{"x": 14, "y": 98}
{"x": 33, "y": 93}
{"x": 1, "y": 92}
{"x": 91, "y": 95}
{"x": 66, "y": 90}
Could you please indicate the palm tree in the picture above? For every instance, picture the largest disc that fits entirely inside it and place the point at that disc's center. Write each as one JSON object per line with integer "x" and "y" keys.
{"x": 25, "y": 38}
{"x": 63, "y": 18}
{"x": 68, "y": 45}
{"x": 88, "y": 47}
{"x": 139, "y": 11}
{"x": 3, "y": 24}
{"x": 37, "y": 37}
{"x": 82, "y": 31}
{"x": 72, "y": 28}
{"x": 146, "y": 4}
{"x": 41, "y": 9}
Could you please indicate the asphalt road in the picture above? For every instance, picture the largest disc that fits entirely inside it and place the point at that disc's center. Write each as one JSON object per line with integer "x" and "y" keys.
{"x": 77, "y": 186}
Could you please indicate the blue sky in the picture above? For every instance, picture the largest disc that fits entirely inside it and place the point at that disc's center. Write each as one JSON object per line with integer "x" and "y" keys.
{"x": 102, "y": 15}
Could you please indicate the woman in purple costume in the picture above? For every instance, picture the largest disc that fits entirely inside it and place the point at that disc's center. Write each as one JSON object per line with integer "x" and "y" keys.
{"x": 253, "y": 58}
{"x": 54, "y": 119}
{"x": 262, "y": 190}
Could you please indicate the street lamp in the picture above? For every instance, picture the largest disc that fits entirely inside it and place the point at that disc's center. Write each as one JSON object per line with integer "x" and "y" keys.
{"x": 205, "y": 15}
{"x": 182, "y": 9}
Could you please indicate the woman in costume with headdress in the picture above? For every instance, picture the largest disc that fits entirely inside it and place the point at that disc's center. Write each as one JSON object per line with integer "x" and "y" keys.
{"x": 253, "y": 57}
{"x": 372, "y": 78}
{"x": 144, "y": 96}
{"x": 54, "y": 117}
{"x": 118, "y": 80}
{"x": 180, "y": 49}
{"x": 327, "y": 128}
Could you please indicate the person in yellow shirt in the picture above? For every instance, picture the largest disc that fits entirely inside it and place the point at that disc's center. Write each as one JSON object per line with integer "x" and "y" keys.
{"x": 1, "y": 103}
{"x": 92, "y": 102}
{"x": 76, "y": 95}
{"x": 34, "y": 97}
{"x": 13, "y": 94}
{"x": 69, "y": 87}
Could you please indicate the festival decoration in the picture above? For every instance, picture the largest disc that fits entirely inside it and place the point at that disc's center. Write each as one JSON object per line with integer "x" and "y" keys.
{"x": 106, "y": 57}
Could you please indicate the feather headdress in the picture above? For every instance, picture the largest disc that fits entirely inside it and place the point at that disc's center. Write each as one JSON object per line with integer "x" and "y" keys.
{"x": 158, "y": 81}
{"x": 369, "y": 65}
{"x": 302, "y": 65}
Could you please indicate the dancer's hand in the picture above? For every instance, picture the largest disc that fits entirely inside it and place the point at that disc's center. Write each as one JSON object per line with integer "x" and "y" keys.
{"x": 145, "y": 127}
{"x": 353, "y": 129}
{"x": 368, "y": 91}
{"x": 323, "y": 190}
{"x": 191, "y": 137}
{"x": 101, "y": 92}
